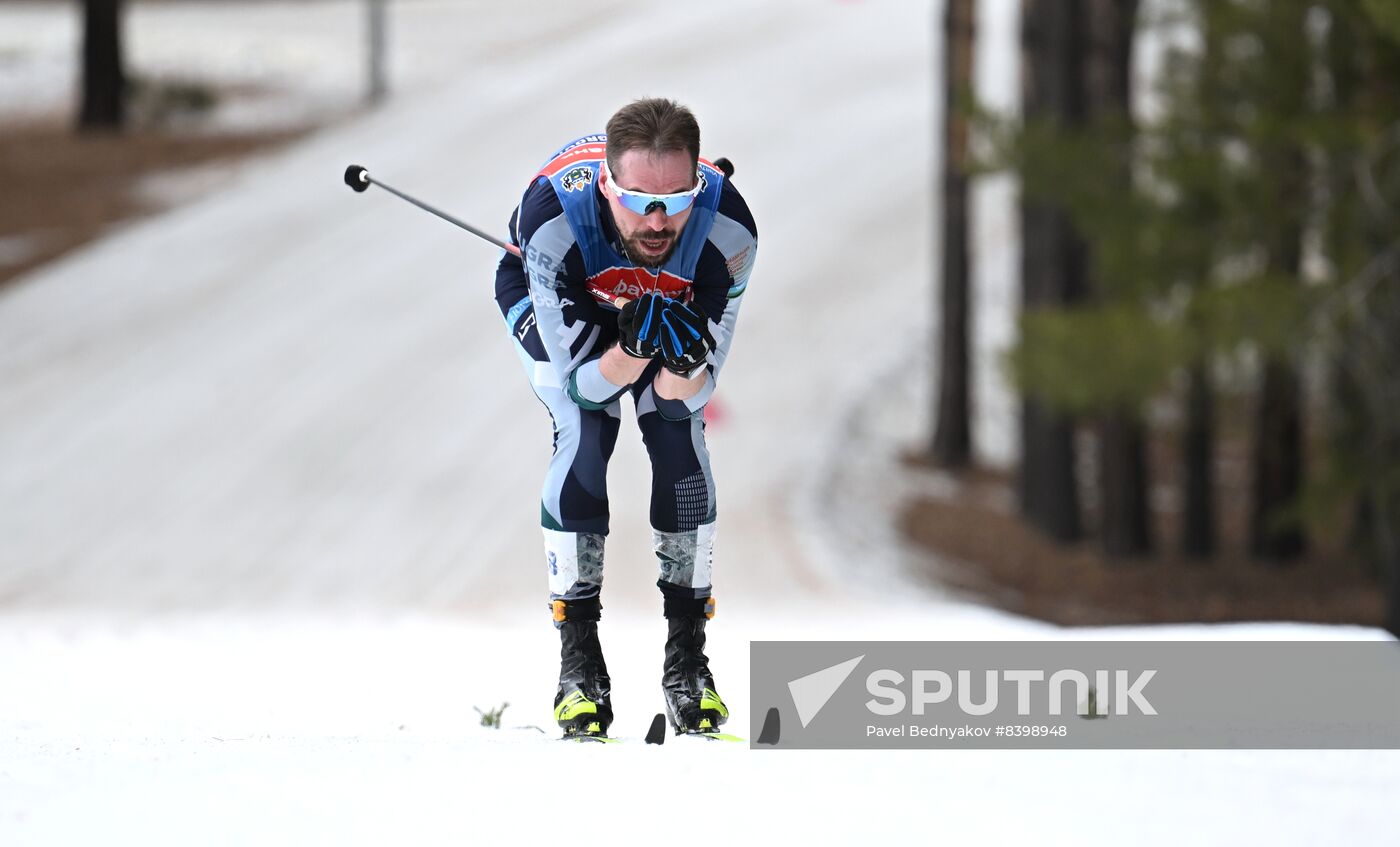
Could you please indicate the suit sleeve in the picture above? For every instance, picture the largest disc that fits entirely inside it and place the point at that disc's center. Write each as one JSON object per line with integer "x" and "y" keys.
{"x": 573, "y": 328}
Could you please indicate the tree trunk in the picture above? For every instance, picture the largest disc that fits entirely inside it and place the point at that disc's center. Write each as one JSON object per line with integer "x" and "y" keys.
{"x": 104, "y": 82}
{"x": 952, "y": 438}
{"x": 1274, "y": 534}
{"x": 1049, "y": 495}
{"x": 1109, "y": 61}
{"x": 1387, "y": 530}
{"x": 1052, "y": 259}
{"x": 1278, "y": 478}
{"x": 1392, "y": 618}
{"x": 1198, "y": 472}
{"x": 376, "y": 25}
{"x": 1199, "y": 535}
{"x": 1278, "y": 433}
{"x": 1123, "y": 485}
{"x": 1107, "y": 79}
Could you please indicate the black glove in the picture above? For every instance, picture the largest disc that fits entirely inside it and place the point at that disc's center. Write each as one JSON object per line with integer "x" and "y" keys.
{"x": 684, "y": 338}
{"x": 638, "y": 324}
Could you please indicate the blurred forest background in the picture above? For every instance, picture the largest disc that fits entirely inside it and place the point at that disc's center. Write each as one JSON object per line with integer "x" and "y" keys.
{"x": 1209, "y": 318}
{"x": 135, "y": 140}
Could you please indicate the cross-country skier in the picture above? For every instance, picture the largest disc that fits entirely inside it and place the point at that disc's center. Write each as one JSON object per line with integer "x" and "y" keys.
{"x": 634, "y": 215}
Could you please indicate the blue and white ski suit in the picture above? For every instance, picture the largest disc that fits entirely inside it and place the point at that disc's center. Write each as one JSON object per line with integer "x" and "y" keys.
{"x": 557, "y": 303}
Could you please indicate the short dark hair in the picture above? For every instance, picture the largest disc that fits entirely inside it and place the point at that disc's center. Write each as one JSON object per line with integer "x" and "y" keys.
{"x": 654, "y": 124}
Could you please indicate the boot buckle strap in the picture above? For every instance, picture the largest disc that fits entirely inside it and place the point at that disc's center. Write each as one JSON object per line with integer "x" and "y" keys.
{"x": 579, "y": 609}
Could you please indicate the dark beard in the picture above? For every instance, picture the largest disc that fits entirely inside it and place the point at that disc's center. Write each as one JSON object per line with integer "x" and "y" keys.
{"x": 634, "y": 251}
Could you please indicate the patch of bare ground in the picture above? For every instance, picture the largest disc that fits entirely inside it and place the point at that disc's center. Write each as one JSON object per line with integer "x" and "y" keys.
{"x": 978, "y": 546}
{"x": 63, "y": 189}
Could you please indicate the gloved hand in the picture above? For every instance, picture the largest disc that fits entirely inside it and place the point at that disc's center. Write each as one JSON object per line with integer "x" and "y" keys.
{"x": 684, "y": 338}
{"x": 638, "y": 325}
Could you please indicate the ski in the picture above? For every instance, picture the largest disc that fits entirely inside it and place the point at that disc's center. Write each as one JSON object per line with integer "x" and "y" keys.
{"x": 587, "y": 730}
{"x": 772, "y": 728}
{"x": 599, "y": 739}
{"x": 711, "y": 736}
{"x": 657, "y": 733}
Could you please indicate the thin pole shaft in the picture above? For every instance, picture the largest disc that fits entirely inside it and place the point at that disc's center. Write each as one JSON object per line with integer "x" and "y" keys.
{"x": 425, "y": 207}
{"x": 376, "y": 24}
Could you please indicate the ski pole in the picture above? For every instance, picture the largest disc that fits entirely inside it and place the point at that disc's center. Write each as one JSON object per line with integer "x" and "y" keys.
{"x": 359, "y": 179}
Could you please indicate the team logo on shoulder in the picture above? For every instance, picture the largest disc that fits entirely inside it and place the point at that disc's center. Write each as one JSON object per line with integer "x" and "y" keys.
{"x": 577, "y": 179}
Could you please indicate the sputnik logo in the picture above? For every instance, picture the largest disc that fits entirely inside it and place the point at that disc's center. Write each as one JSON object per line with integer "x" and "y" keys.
{"x": 812, "y": 692}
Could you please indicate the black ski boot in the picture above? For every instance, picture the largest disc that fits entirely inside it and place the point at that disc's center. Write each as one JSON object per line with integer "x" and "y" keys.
{"x": 583, "y": 705}
{"x": 689, "y": 687}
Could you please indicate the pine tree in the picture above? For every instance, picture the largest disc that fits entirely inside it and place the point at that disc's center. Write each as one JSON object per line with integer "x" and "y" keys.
{"x": 1277, "y": 85}
{"x": 952, "y": 438}
{"x": 1124, "y": 524}
{"x": 1052, "y": 259}
{"x": 1276, "y": 148}
{"x": 103, "y": 77}
{"x": 1360, "y": 316}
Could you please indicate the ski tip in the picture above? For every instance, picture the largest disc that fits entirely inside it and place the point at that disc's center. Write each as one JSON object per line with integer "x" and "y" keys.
{"x": 657, "y": 733}
{"x": 772, "y": 728}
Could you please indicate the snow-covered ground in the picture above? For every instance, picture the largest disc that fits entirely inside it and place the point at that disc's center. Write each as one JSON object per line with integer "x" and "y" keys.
{"x": 270, "y": 472}
{"x": 335, "y": 730}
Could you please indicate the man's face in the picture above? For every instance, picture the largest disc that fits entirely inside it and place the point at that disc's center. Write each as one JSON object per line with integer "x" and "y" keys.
{"x": 650, "y": 239}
